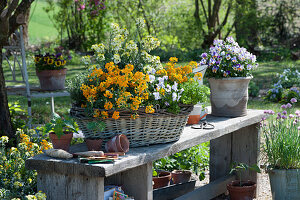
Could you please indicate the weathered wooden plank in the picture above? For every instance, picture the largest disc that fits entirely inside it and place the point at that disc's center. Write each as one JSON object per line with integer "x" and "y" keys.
{"x": 210, "y": 190}
{"x": 68, "y": 187}
{"x": 136, "y": 182}
{"x": 245, "y": 148}
{"x": 220, "y": 157}
{"x": 140, "y": 156}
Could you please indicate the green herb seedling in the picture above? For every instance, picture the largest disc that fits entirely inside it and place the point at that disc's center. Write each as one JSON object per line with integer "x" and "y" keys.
{"x": 239, "y": 167}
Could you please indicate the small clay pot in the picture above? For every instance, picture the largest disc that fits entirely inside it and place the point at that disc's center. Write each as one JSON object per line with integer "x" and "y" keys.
{"x": 93, "y": 144}
{"x": 61, "y": 143}
{"x": 118, "y": 143}
{"x": 237, "y": 192}
{"x": 193, "y": 119}
{"x": 162, "y": 180}
{"x": 181, "y": 176}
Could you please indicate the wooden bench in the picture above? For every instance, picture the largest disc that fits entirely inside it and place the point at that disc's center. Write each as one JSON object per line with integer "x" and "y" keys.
{"x": 232, "y": 139}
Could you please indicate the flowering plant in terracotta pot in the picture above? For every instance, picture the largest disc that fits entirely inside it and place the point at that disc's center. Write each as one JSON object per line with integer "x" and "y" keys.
{"x": 281, "y": 150}
{"x": 61, "y": 131}
{"x": 229, "y": 71}
{"x": 51, "y": 71}
{"x": 124, "y": 81}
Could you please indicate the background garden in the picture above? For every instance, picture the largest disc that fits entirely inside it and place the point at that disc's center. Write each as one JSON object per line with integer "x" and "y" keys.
{"x": 186, "y": 29}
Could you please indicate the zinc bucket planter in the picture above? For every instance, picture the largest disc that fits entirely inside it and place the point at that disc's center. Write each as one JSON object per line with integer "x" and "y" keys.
{"x": 52, "y": 79}
{"x": 229, "y": 96}
{"x": 285, "y": 184}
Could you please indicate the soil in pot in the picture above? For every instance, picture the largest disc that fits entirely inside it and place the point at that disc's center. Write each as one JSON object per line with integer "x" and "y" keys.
{"x": 93, "y": 144}
{"x": 162, "y": 180}
{"x": 61, "y": 143}
{"x": 237, "y": 192}
{"x": 118, "y": 143}
{"x": 181, "y": 176}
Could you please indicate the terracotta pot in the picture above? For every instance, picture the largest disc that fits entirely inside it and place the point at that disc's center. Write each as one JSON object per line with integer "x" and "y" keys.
{"x": 237, "y": 192}
{"x": 93, "y": 144}
{"x": 118, "y": 143}
{"x": 61, "y": 143}
{"x": 162, "y": 180}
{"x": 181, "y": 176}
{"x": 193, "y": 119}
{"x": 229, "y": 96}
{"x": 52, "y": 79}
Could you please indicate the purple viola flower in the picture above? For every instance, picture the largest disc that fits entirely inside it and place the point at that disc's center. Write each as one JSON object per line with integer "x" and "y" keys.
{"x": 214, "y": 69}
{"x": 69, "y": 57}
{"x": 228, "y": 57}
{"x": 212, "y": 61}
{"x": 288, "y": 105}
{"x": 226, "y": 73}
{"x": 204, "y": 55}
{"x": 279, "y": 114}
{"x": 293, "y": 100}
{"x": 166, "y": 103}
{"x": 297, "y": 113}
{"x": 203, "y": 62}
{"x": 58, "y": 55}
{"x": 234, "y": 59}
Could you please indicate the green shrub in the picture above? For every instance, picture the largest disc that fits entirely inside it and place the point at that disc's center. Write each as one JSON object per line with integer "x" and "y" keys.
{"x": 16, "y": 180}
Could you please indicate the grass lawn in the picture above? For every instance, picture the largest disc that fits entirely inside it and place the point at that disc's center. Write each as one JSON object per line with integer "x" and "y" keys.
{"x": 41, "y": 27}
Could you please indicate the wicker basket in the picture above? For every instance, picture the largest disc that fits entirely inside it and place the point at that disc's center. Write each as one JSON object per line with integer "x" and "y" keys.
{"x": 156, "y": 128}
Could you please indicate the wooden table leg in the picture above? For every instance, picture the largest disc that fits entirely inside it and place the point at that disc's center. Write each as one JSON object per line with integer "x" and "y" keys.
{"x": 136, "y": 182}
{"x": 240, "y": 146}
{"x": 70, "y": 187}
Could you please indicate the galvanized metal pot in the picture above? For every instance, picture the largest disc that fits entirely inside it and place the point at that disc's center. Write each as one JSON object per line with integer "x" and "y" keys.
{"x": 285, "y": 184}
{"x": 229, "y": 96}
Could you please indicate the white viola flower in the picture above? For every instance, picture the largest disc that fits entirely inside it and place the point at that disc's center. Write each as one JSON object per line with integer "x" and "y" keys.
{"x": 178, "y": 97}
{"x": 168, "y": 88}
{"x": 174, "y": 96}
{"x": 174, "y": 87}
{"x": 181, "y": 91}
{"x": 117, "y": 58}
{"x": 156, "y": 95}
{"x": 203, "y": 61}
{"x": 249, "y": 67}
{"x": 165, "y": 78}
{"x": 223, "y": 53}
{"x": 152, "y": 78}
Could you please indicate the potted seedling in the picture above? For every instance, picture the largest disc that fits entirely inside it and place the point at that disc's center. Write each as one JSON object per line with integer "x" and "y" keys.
{"x": 238, "y": 189}
{"x": 160, "y": 178}
{"x": 61, "y": 131}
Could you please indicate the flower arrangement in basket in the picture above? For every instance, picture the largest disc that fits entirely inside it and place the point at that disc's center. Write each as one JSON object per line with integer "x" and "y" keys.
{"x": 229, "y": 71}
{"x": 129, "y": 91}
{"x": 51, "y": 71}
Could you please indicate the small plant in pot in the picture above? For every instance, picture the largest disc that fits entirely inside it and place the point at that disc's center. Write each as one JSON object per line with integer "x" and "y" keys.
{"x": 160, "y": 178}
{"x": 61, "y": 131}
{"x": 94, "y": 143}
{"x": 239, "y": 190}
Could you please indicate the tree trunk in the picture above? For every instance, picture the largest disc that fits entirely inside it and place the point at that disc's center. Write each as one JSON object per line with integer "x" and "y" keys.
{"x": 6, "y": 128}
{"x": 25, "y": 28}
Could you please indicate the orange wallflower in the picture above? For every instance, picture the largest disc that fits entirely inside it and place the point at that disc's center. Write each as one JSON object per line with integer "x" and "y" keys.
{"x": 116, "y": 115}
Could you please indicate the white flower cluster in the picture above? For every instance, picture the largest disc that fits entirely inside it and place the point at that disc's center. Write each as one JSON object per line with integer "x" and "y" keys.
{"x": 165, "y": 90}
{"x": 149, "y": 43}
{"x": 140, "y": 23}
{"x": 86, "y": 60}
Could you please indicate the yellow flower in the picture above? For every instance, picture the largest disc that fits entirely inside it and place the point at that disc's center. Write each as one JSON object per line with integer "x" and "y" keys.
{"x": 58, "y": 63}
{"x": 50, "y": 61}
{"x": 37, "y": 59}
{"x": 108, "y": 94}
{"x": 96, "y": 113}
{"x": 173, "y": 59}
{"x": 116, "y": 115}
{"x": 108, "y": 105}
{"x": 104, "y": 114}
{"x": 134, "y": 116}
{"x": 149, "y": 109}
